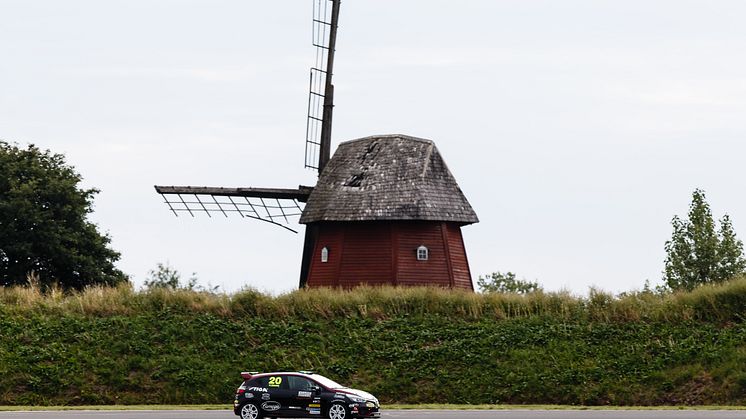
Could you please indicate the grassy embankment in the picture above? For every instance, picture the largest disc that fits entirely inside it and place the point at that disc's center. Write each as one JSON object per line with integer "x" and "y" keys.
{"x": 118, "y": 346}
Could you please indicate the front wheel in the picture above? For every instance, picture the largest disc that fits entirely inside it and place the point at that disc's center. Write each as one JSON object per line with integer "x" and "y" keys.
{"x": 250, "y": 411}
{"x": 339, "y": 411}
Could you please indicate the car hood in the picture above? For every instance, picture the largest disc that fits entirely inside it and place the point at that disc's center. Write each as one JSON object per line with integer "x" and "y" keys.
{"x": 358, "y": 393}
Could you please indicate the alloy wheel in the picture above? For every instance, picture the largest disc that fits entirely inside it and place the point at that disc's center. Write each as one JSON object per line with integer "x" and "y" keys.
{"x": 249, "y": 411}
{"x": 337, "y": 411}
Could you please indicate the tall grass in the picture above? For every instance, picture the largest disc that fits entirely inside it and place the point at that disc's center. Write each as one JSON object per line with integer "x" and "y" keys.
{"x": 406, "y": 345}
{"x": 713, "y": 303}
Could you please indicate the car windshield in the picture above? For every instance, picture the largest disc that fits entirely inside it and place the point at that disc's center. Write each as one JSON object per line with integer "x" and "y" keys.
{"x": 327, "y": 382}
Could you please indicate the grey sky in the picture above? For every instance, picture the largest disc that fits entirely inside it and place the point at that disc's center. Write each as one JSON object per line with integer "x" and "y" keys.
{"x": 576, "y": 129}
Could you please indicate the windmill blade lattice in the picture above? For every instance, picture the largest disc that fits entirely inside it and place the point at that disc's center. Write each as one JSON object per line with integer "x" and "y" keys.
{"x": 321, "y": 28}
{"x": 275, "y": 206}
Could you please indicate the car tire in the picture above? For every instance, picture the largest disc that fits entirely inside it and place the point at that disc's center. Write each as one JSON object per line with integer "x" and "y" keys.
{"x": 338, "y": 411}
{"x": 250, "y": 411}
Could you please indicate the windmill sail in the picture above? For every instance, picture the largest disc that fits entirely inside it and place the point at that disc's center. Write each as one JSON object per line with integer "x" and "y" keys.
{"x": 275, "y": 206}
{"x": 320, "y": 105}
{"x": 321, "y": 90}
{"x": 278, "y": 206}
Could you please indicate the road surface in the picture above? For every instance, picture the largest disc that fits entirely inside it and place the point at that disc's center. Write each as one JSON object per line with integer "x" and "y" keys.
{"x": 396, "y": 414}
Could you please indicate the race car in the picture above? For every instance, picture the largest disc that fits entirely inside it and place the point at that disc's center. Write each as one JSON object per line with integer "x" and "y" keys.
{"x": 301, "y": 394}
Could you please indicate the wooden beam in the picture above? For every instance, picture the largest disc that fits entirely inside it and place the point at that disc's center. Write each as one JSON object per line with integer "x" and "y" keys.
{"x": 328, "y": 110}
{"x": 301, "y": 194}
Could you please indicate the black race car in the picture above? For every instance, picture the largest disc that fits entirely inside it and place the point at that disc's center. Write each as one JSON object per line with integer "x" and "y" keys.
{"x": 300, "y": 395}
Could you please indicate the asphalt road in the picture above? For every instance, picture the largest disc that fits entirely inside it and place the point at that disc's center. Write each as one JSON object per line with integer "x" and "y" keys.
{"x": 414, "y": 414}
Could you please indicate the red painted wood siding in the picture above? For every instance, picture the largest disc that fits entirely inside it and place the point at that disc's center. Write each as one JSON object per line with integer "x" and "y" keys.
{"x": 459, "y": 261}
{"x": 379, "y": 253}
{"x": 411, "y": 271}
{"x": 366, "y": 255}
{"x": 325, "y": 274}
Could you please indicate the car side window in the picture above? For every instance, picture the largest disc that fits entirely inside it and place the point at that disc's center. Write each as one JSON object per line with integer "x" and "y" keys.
{"x": 259, "y": 382}
{"x": 277, "y": 382}
{"x": 300, "y": 383}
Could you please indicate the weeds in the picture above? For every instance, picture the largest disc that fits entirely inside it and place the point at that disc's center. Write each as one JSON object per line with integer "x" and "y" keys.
{"x": 407, "y": 345}
{"x": 713, "y": 303}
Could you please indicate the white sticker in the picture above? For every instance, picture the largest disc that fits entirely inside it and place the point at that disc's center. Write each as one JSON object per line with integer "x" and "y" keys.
{"x": 271, "y": 406}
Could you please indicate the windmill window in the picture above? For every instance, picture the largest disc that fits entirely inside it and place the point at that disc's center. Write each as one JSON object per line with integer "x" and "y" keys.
{"x": 423, "y": 253}
{"x": 324, "y": 255}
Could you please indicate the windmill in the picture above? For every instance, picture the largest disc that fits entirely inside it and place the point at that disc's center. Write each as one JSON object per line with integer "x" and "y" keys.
{"x": 385, "y": 209}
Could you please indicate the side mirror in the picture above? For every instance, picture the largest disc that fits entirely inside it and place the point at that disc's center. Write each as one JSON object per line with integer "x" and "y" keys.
{"x": 317, "y": 390}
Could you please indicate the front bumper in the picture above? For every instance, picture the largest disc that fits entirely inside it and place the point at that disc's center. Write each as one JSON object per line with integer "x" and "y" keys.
{"x": 365, "y": 410}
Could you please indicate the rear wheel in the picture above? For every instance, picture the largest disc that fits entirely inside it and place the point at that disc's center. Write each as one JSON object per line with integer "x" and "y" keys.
{"x": 250, "y": 411}
{"x": 339, "y": 411}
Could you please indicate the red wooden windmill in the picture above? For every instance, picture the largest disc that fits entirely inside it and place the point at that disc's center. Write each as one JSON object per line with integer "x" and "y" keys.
{"x": 385, "y": 209}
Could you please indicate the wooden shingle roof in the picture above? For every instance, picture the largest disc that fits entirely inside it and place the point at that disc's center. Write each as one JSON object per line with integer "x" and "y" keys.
{"x": 391, "y": 177}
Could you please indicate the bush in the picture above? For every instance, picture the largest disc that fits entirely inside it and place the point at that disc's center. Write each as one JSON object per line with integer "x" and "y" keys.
{"x": 406, "y": 345}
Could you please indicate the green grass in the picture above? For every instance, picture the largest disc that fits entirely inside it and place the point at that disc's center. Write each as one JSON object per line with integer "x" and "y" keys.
{"x": 714, "y": 303}
{"x": 407, "y": 346}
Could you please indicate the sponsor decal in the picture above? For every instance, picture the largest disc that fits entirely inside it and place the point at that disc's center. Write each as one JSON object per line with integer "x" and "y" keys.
{"x": 314, "y": 408}
{"x": 295, "y": 407}
{"x": 258, "y": 389}
{"x": 305, "y": 394}
{"x": 265, "y": 396}
{"x": 317, "y": 400}
{"x": 339, "y": 396}
{"x": 271, "y": 406}
{"x": 249, "y": 395}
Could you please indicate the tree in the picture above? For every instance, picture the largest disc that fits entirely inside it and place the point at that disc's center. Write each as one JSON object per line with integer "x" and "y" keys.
{"x": 43, "y": 223}
{"x": 506, "y": 283}
{"x": 164, "y": 276}
{"x": 698, "y": 253}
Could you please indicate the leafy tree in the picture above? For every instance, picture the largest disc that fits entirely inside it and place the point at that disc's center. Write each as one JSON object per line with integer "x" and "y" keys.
{"x": 699, "y": 253}
{"x": 164, "y": 276}
{"x": 43, "y": 225}
{"x": 506, "y": 283}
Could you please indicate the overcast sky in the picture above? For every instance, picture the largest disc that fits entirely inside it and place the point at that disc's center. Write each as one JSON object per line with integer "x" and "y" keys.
{"x": 577, "y": 129}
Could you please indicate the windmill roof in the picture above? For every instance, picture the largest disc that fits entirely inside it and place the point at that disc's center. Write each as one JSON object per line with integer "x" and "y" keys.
{"x": 390, "y": 177}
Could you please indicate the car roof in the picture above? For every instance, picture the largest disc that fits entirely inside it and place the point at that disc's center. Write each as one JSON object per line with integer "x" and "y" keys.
{"x": 250, "y": 376}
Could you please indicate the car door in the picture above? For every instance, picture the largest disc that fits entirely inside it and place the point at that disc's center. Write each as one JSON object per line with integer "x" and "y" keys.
{"x": 279, "y": 398}
{"x": 305, "y": 399}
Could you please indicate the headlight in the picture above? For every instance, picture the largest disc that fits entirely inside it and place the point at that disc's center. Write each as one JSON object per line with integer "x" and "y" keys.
{"x": 356, "y": 399}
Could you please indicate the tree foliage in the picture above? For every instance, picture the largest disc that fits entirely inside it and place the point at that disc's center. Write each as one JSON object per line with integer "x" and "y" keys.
{"x": 43, "y": 223}
{"x": 164, "y": 276}
{"x": 506, "y": 283}
{"x": 699, "y": 252}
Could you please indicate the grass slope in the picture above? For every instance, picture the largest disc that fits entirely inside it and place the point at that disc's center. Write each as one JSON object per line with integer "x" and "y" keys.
{"x": 118, "y": 346}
